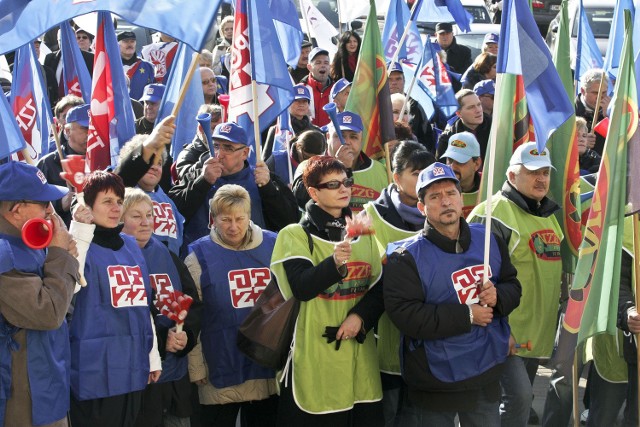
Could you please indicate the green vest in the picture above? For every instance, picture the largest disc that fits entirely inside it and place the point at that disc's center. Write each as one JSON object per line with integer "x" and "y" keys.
{"x": 534, "y": 247}
{"x": 469, "y": 201}
{"x": 388, "y": 335}
{"x": 368, "y": 184}
{"x": 326, "y": 380}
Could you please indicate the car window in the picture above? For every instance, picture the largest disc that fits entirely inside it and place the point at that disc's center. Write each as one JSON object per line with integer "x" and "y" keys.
{"x": 473, "y": 41}
{"x": 479, "y": 13}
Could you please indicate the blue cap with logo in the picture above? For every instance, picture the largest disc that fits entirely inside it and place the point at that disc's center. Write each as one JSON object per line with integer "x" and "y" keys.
{"x": 153, "y": 92}
{"x": 79, "y": 114}
{"x": 350, "y": 121}
{"x": 394, "y": 66}
{"x": 231, "y": 132}
{"x": 462, "y": 147}
{"x": 528, "y": 156}
{"x": 301, "y": 91}
{"x": 485, "y": 87}
{"x": 491, "y": 38}
{"x": 20, "y": 181}
{"x": 433, "y": 173}
{"x": 338, "y": 87}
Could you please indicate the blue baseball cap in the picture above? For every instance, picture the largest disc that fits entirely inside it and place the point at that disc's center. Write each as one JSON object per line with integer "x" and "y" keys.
{"x": 485, "y": 87}
{"x": 394, "y": 66}
{"x": 491, "y": 38}
{"x": 231, "y": 132}
{"x": 153, "y": 92}
{"x": 79, "y": 114}
{"x": 301, "y": 91}
{"x": 20, "y": 181}
{"x": 462, "y": 147}
{"x": 338, "y": 87}
{"x": 350, "y": 121}
{"x": 433, "y": 173}
{"x": 528, "y": 156}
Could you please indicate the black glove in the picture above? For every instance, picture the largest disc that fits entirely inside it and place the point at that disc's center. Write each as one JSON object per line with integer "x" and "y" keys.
{"x": 330, "y": 334}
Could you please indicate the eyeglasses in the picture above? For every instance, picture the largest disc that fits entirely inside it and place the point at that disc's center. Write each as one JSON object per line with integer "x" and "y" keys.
{"x": 211, "y": 80}
{"x": 335, "y": 184}
{"x": 226, "y": 148}
{"x": 82, "y": 37}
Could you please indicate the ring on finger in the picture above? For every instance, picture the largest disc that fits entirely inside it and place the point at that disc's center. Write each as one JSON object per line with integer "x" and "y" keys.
{"x": 346, "y": 337}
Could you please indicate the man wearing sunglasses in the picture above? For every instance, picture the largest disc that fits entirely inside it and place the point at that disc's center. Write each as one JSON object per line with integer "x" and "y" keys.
{"x": 272, "y": 203}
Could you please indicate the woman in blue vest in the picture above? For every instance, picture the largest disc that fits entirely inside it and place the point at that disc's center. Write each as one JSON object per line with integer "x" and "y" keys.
{"x": 169, "y": 400}
{"x": 230, "y": 268}
{"x": 113, "y": 351}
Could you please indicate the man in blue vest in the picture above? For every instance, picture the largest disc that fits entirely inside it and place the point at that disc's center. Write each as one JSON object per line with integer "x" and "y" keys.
{"x": 36, "y": 286}
{"x": 455, "y": 335}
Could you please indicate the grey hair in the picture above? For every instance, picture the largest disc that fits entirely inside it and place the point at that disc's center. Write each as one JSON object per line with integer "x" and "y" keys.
{"x": 592, "y": 76}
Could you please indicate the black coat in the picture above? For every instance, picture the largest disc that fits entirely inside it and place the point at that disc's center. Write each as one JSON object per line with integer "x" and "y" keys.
{"x": 481, "y": 133}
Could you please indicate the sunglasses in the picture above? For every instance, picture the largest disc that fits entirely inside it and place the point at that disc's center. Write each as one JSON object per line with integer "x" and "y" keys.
{"x": 211, "y": 80}
{"x": 335, "y": 184}
{"x": 82, "y": 37}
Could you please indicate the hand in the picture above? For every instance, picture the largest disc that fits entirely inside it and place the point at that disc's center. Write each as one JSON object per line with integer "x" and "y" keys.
{"x": 591, "y": 140}
{"x": 68, "y": 198}
{"x": 633, "y": 321}
{"x": 512, "y": 346}
{"x": 488, "y": 295}
{"x": 154, "y": 376}
{"x": 82, "y": 213}
{"x": 482, "y": 316}
{"x": 346, "y": 155}
{"x": 61, "y": 236}
{"x": 161, "y": 135}
{"x": 350, "y": 327}
{"x": 604, "y": 103}
{"x": 176, "y": 341}
{"x": 341, "y": 253}
{"x": 262, "y": 174}
{"x": 212, "y": 170}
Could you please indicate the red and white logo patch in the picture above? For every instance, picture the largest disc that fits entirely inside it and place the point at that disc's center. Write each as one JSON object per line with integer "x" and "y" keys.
{"x": 245, "y": 286}
{"x": 127, "y": 286}
{"x": 225, "y": 129}
{"x": 161, "y": 284}
{"x": 346, "y": 119}
{"x": 465, "y": 282}
{"x": 438, "y": 170}
{"x": 164, "y": 220}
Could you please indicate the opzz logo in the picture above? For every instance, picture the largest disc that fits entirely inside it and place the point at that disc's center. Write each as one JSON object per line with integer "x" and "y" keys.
{"x": 247, "y": 284}
{"x": 161, "y": 283}
{"x": 465, "y": 282}
{"x": 127, "y": 286}
{"x": 164, "y": 221}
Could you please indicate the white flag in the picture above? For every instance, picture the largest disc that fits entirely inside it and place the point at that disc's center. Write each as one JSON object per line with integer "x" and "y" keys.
{"x": 320, "y": 28}
{"x": 352, "y": 9}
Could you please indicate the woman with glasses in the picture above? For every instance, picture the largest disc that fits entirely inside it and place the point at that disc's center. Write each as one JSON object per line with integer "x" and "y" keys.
{"x": 395, "y": 216}
{"x": 331, "y": 378}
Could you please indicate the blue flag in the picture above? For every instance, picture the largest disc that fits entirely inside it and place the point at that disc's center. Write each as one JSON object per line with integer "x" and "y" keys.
{"x": 77, "y": 80}
{"x": 522, "y": 51}
{"x": 256, "y": 48}
{"x": 397, "y": 17}
{"x": 287, "y": 24}
{"x": 29, "y": 101}
{"x": 444, "y": 11}
{"x": 186, "y": 124}
{"x": 434, "y": 80}
{"x": 187, "y": 20}
{"x": 11, "y": 139}
{"x": 616, "y": 38}
{"x": 588, "y": 54}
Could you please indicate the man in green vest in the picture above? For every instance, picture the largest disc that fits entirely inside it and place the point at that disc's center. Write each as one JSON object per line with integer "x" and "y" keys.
{"x": 523, "y": 216}
{"x": 463, "y": 155}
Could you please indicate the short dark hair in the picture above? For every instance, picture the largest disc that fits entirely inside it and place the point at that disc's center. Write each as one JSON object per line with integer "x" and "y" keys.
{"x": 319, "y": 166}
{"x": 411, "y": 154}
{"x": 311, "y": 141}
{"x": 67, "y": 101}
{"x": 98, "y": 181}
{"x": 423, "y": 191}
{"x": 461, "y": 94}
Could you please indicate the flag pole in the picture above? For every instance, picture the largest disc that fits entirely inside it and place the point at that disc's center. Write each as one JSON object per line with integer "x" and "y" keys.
{"x": 185, "y": 84}
{"x": 574, "y": 389}
{"x": 256, "y": 119}
{"x": 27, "y": 157}
{"x": 406, "y": 98}
{"x": 387, "y": 162}
{"x": 596, "y": 110}
{"x": 404, "y": 34}
{"x": 306, "y": 21}
{"x": 636, "y": 268}
{"x": 340, "y": 23}
{"x": 56, "y": 138}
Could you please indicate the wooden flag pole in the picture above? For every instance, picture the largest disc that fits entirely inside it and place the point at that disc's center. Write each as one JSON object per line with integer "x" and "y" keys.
{"x": 185, "y": 84}
{"x": 636, "y": 268}
{"x": 256, "y": 120}
{"x": 574, "y": 388}
{"x": 596, "y": 110}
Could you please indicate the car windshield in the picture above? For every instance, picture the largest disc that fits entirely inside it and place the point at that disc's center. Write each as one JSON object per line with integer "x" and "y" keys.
{"x": 599, "y": 21}
{"x": 479, "y": 13}
{"x": 473, "y": 41}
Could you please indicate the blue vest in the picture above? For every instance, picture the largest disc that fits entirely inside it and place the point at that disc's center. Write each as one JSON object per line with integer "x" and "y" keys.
{"x": 282, "y": 166}
{"x": 231, "y": 281}
{"x": 164, "y": 280}
{"x": 168, "y": 223}
{"x": 199, "y": 225}
{"x": 451, "y": 280}
{"x": 48, "y": 352}
{"x": 111, "y": 334}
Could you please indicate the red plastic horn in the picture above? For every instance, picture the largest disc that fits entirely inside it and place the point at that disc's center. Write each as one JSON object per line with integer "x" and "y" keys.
{"x": 37, "y": 233}
{"x": 224, "y": 102}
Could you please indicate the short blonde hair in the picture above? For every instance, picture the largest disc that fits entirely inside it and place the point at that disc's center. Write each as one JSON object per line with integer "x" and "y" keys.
{"x": 581, "y": 122}
{"x": 133, "y": 196}
{"x": 229, "y": 197}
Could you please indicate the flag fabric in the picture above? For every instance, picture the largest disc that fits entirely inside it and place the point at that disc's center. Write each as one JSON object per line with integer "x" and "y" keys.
{"x": 350, "y": 10}
{"x": 616, "y": 38}
{"x": 419, "y": 92}
{"x": 111, "y": 120}
{"x": 189, "y": 21}
{"x": 525, "y": 53}
{"x": 77, "y": 80}
{"x": 287, "y": 24}
{"x": 30, "y": 103}
{"x": 186, "y": 124}
{"x": 396, "y": 20}
{"x": 320, "y": 28}
{"x": 593, "y": 299}
{"x": 588, "y": 54}
{"x": 11, "y": 139}
{"x": 256, "y": 49}
{"x": 434, "y": 80}
{"x": 370, "y": 96}
{"x": 444, "y": 11}
{"x": 563, "y": 148}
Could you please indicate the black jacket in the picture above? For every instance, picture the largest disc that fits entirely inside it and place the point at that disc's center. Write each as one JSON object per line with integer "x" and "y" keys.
{"x": 458, "y": 56}
{"x": 389, "y": 213}
{"x": 481, "y": 133}
{"x": 404, "y": 301}
{"x": 581, "y": 111}
{"x": 53, "y": 59}
{"x": 626, "y": 300}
